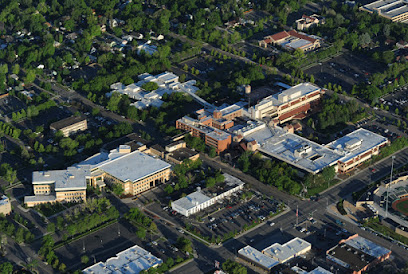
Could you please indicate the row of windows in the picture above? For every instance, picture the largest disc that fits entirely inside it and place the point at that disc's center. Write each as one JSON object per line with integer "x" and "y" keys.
{"x": 42, "y": 192}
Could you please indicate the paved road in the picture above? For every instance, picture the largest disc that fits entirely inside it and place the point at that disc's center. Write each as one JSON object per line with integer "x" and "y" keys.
{"x": 266, "y": 235}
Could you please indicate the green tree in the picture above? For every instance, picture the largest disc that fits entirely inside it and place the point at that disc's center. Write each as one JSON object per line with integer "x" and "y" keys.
{"x": 150, "y": 86}
{"x": 6, "y": 268}
{"x": 117, "y": 188}
{"x": 84, "y": 259}
{"x": 141, "y": 233}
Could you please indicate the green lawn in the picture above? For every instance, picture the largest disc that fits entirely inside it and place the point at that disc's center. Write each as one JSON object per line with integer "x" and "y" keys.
{"x": 403, "y": 207}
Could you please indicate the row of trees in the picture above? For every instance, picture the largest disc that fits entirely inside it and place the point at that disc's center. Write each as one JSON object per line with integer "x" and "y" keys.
{"x": 8, "y": 173}
{"x": 137, "y": 216}
{"x": 278, "y": 174}
{"x": 32, "y": 111}
{"x": 48, "y": 255}
{"x": 9, "y": 130}
{"x": 20, "y": 234}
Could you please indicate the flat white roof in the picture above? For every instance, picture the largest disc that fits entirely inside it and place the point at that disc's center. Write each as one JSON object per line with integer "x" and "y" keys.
{"x": 289, "y": 94}
{"x": 70, "y": 179}
{"x": 356, "y": 143}
{"x": 366, "y": 246}
{"x": 282, "y": 145}
{"x": 130, "y": 261}
{"x": 295, "y": 44}
{"x": 133, "y": 166}
{"x": 40, "y": 198}
{"x": 258, "y": 257}
{"x": 288, "y": 250}
{"x": 191, "y": 200}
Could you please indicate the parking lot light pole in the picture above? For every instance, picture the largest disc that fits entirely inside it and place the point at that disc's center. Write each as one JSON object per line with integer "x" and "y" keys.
{"x": 388, "y": 187}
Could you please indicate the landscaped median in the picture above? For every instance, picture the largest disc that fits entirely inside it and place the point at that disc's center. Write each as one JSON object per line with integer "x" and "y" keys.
{"x": 376, "y": 225}
{"x": 77, "y": 237}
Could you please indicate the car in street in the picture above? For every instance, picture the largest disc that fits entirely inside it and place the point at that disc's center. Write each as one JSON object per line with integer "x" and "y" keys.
{"x": 271, "y": 224}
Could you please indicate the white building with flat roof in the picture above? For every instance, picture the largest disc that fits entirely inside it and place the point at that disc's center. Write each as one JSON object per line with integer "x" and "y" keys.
{"x": 59, "y": 186}
{"x": 356, "y": 148}
{"x": 257, "y": 258}
{"x": 167, "y": 82}
{"x": 293, "y": 149}
{"x": 395, "y": 10}
{"x": 291, "y": 103}
{"x": 198, "y": 200}
{"x": 287, "y": 251}
{"x": 345, "y": 153}
{"x": 130, "y": 261}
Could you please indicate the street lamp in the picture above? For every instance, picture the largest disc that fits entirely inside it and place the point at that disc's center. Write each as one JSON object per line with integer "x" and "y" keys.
{"x": 388, "y": 186}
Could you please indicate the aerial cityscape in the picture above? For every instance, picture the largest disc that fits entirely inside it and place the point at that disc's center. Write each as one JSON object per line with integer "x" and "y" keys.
{"x": 187, "y": 137}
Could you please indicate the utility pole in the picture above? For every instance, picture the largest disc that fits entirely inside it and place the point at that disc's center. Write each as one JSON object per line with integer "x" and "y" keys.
{"x": 297, "y": 215}
{"x": 388, "y": 186}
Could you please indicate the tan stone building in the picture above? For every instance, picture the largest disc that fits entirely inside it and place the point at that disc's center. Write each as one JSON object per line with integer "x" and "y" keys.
{"x": 137, "y": 172}
{"x": 70, "y": 125}
{"x": 5, "y": 205}
{"x": 59, "y": 186}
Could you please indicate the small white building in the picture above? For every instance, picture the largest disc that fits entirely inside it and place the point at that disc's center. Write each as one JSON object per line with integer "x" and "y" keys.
{"x": 198, "y": 201}
{"x": 287, "y": 251}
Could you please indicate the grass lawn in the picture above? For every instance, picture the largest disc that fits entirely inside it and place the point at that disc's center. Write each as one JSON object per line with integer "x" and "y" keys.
{"x": 402, "y": 206}
{"x": 319, "y": 188}
{"x": 374, "y": 224}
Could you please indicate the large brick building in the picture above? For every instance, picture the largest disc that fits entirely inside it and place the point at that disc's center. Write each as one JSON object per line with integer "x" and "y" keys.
{"x": 294, "y": 102}
{"x": 292, "y": 40}
{"x": 213, "y": 137}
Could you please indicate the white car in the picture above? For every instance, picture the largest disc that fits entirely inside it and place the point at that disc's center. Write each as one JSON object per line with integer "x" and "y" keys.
{"x": 272, "y": 224}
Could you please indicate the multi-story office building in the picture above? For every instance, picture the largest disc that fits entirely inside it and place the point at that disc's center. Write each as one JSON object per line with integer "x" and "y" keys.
{"x": 294, "y": 102}
{"x": 59, "y": 186}
{"x": 357, "y": 147}
{"x": 213, "y": 137}
{"x": 135, "y": 171}
{"x": 70, "y": 125}
{"x": 308, "y": 21}
{"x": 395, "y": 10}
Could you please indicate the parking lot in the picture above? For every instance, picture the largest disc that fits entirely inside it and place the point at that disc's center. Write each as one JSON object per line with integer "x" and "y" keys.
{"x": 345, "y": 70}
{"x": 233, "y": 214}
{"x": 10, "y": 104}
{"x": 397, "y": 99}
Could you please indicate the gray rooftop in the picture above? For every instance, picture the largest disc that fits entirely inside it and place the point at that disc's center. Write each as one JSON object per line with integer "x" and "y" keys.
{"x": 192, "y": 200}
{"x": 258, "y": 257}
{"x": 293, "y": 149}
{"x": 133, "y": 166}
{"x": 367, "y": 246}
{"x": 356, "y": 143}
{"x": 70, "y": 179}
{"x": 288, "y": 250}
{"x": 66, "y": 122}
{"x": 289, "y": 94}
{"x": 390, "y": 8}
{"x": 40, "y": 198}
{"x": 130, "y": 261}
{"x": 209, "y": 131}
